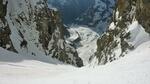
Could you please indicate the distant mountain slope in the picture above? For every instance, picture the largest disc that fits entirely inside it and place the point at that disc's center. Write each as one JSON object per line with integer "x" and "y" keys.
{"x": 98, "y": 16}
{"x": 71, "y": 9}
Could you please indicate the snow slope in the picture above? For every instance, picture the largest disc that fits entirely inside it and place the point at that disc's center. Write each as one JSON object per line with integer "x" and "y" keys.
{"x": 20, "y": 68}
{"x": 132, "y": 69}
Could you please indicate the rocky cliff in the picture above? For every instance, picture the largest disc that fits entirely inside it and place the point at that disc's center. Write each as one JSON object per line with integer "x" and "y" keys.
{"x": 30, "y": 27}
{"x": 125, "y": 32}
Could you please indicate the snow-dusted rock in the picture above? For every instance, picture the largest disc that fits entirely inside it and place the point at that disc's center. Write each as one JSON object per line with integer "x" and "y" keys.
{"x": 35, "y": 29}
{"x": 124, "y": 34}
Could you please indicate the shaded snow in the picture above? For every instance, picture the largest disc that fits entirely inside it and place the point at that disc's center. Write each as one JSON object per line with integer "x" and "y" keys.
{"x": 138, "y": 34}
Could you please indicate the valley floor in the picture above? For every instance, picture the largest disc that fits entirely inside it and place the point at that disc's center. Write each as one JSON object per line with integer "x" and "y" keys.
{"x": 134, "y": 68}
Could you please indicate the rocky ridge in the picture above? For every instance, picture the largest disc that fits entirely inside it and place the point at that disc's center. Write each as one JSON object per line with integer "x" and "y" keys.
{"x": 114, "y": 43}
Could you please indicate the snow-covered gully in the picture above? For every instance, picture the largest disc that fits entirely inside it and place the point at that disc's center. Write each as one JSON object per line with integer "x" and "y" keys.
{"x": 132, "y": 69}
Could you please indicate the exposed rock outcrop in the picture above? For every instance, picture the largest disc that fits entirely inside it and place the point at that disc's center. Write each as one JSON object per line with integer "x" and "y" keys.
{"x": 114, "y": 43}
{"x": 143, "y": 13}
{"x": 5, "y": 32}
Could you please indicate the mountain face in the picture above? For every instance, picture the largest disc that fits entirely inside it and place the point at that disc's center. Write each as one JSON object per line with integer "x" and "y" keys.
{"x": 29, "y": 27}
{"x": 71, "y": 9}
{"x": 98, "y": 16}
{"x": 34, "y": 28}
{"x": 125, "y": 32}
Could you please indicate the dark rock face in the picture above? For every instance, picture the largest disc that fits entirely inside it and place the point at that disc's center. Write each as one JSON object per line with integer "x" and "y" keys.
{"x": 125, "y": 12}
{"x": 143, "y": 13}
{"x": 59, "y": 48}
{"x": 52, "y": 32}
{"x": 5, "y": 32}
{"x": 35, "y": 29}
